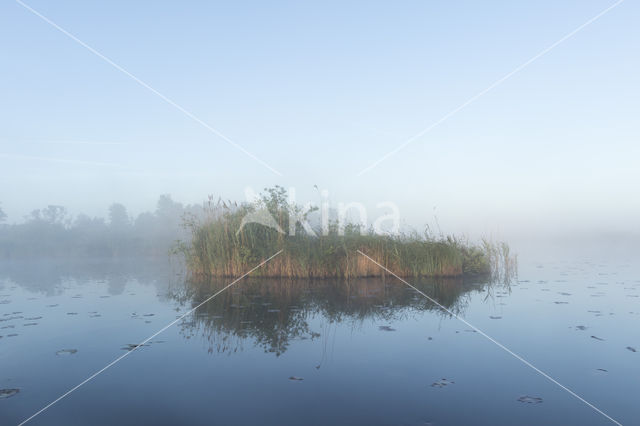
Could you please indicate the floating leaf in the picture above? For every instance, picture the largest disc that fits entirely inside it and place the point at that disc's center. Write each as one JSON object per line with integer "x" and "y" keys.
{"x": 8, "y": 393}
{"x": 530, "y": 399}
{"x": 442, "y": 383}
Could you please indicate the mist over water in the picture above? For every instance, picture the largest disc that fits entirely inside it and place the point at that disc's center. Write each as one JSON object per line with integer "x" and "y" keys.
{"x": 463, "y": 124}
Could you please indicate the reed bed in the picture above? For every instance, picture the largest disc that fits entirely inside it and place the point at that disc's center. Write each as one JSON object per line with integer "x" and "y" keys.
{"x": 222, "y": 246}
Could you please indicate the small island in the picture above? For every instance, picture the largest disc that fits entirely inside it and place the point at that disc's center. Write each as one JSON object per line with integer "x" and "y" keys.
{"x": 232, "y": 238}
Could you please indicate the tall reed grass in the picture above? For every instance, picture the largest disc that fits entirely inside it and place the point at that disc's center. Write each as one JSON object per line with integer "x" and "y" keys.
{"x": 221, "y": 246}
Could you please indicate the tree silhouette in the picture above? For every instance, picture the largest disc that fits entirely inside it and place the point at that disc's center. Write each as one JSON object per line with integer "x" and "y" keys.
{"x": 118, "y": 217}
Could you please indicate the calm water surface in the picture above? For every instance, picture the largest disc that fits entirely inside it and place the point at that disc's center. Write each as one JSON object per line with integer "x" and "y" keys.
{"x": 372, "y": 352}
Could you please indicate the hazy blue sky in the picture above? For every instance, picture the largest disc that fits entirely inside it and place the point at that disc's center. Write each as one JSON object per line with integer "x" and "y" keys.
{"x": 319, "y": 91}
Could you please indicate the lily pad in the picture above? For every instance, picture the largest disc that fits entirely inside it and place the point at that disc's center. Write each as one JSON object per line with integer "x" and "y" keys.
{"x": 530, "y": 399}
{"x": 442, "y": 383}
{"x": 8, "y": 393}
{"x": 132, "y": 346}
{"x": 631, "y": 349}
{"x": 386, "y": 328}
{"x": 66, "y": 351}
{"x": 297, "y": 379}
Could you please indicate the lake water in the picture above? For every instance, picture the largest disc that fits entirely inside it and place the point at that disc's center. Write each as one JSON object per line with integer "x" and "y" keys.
{"x": 371, "y": 352}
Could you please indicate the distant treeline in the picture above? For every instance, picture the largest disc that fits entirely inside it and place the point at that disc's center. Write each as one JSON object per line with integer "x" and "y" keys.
{"x": 53, "y": 232}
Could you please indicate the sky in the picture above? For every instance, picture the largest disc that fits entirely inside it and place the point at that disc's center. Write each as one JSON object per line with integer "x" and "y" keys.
{"x": 318, "y": 91}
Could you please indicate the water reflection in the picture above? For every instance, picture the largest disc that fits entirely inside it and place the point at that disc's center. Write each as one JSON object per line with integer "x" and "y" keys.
{"x": 52, "y": 276}
{"x": 377, "y": 346}
{"x": 273, "y": 313}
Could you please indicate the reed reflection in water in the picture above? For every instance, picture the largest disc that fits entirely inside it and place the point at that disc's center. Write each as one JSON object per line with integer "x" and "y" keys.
{"x": 271, "y": 313}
